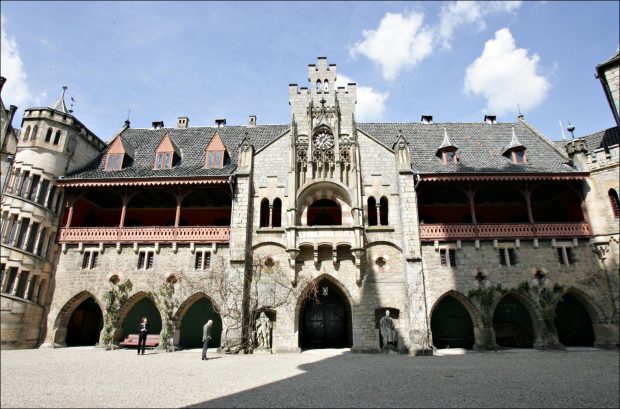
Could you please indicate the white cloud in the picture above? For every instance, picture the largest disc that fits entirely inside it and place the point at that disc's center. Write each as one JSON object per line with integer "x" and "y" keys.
{"x": 506, "y": 76}
{"x": 400, "y": 42}
{"x": 370, "y": 103}
{"x": 15, "y": 90}
{"x": 459, "y": 13}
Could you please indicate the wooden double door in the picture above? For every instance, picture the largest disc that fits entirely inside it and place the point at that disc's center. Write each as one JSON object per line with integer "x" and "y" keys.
{"x": 325, "y": 322}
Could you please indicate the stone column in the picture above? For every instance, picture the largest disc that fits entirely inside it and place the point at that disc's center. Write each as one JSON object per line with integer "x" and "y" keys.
{"x": 16, "y": 283}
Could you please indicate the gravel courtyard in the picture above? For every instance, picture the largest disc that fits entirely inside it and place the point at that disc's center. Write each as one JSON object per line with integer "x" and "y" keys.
{"x": 90, "y": 377}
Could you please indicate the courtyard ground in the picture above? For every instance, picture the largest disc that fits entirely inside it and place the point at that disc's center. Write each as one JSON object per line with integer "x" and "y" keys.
{"x": 91, "y": 377}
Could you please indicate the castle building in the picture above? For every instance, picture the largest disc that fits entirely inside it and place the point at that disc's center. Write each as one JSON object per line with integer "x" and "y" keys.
{"x": 464, "y": 235}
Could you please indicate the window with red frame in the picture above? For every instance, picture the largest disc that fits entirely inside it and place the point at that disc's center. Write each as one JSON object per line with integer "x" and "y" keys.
{"x": 114, "y": 161}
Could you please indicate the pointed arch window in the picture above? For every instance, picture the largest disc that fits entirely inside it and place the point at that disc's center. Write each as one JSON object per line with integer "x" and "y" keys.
{"x": 26, "y": 134}
{"x": 615, "y": 204}
{"x": 383, "y": 211}
{"x": 33, "y": 136}
{"x": 264, "y": 213}
{"x": 57, "y": 137}
{"x": 276, "y": 214}
{"x": 48, "y": 135}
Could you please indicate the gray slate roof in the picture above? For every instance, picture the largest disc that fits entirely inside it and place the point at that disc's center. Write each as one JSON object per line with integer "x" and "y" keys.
{"x": 480, "y": 147}
{"x": 191, "y": 143}
{"x": 602, "y": 139}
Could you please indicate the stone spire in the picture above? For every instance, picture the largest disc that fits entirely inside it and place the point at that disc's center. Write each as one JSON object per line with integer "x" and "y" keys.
{"x": 59, "y": 104}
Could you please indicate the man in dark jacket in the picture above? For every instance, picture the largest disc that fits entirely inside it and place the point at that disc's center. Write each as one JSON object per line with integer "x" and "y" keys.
{"x": 143, "y": 331}
{"x": 206, "y": 336}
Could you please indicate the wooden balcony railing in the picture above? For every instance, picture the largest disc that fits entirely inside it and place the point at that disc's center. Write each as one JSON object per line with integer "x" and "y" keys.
{"x": 160, "y": 234}
{"x": 503, "y": 230}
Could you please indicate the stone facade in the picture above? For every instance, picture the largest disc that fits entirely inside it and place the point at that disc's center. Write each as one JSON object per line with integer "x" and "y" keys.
{"x": 328, "y": 204}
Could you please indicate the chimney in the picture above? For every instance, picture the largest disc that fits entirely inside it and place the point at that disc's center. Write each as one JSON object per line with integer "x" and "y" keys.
{"x": 220, "y": 122}
{"x": 490, "y": 119}
{"x": 182, "y": 122}
{"x": 427, "y": 119}
{"x": 252, "y": 120}
{"x": 158, "y": 124}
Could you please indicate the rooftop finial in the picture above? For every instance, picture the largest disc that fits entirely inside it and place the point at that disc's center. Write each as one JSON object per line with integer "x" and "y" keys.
{"x": 570, "y": 129}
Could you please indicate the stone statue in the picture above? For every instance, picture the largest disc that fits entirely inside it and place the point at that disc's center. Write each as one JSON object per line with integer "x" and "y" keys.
{"x": 388, "y": 332}
{"x": 263, "y": 331}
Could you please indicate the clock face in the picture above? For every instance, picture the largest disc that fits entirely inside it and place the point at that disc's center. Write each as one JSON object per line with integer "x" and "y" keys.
{"x": 323, "y": 140}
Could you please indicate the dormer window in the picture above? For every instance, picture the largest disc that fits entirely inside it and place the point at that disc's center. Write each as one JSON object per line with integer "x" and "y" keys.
{"x": 447, "y": 150}
{"x": 515, "y": 151}
{"x": 215, "y": 153}
{"x": 117, "y": 152}
{"x": 166, "y": 154}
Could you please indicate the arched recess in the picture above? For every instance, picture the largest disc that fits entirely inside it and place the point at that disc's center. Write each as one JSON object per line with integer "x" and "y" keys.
{"x": 192, "y": 315}
{"x": 324, "y": 212}
{"x": 556, "y": 203}
{"x": 383, "y": 211}
{"x": 151, "y": 207}
{"x": 372, "y": 211}
{"x": 500, "y": 204}
{"x": 61, "y": 322}
{"x": 513, "y": 323}
{"x": 328, "y": 322}
{"x": 455, "y": 322}
{"x": 332, "y": 191}
{"x": 573, "y": 319}
{"x": 137, "y": 306}
{"x": 276, "y": 216}
{"x": 264, "y": 213}
{"x": 85, "y": 325}
{"x": 443, "y": 204}
{"x": 97, "y": 208}
{"x": 614, "y": 203}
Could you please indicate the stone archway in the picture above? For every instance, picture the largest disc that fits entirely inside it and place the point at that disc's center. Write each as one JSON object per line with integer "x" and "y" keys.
{"x": 192, "y": 315}
{"x": 330, "y": 191}
{"x": 61, "y": 323}
{"x": 85, "y": 325}
{"x": 325, "y": 322}
{"x": 137, "y": 306}
{"x": 513, "y": 323}
{"x": 573, "y": 323}
{"x": 455, "y": 323}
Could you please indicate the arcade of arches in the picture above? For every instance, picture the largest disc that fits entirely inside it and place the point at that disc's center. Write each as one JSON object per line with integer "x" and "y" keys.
{"x": 452, "y": 325}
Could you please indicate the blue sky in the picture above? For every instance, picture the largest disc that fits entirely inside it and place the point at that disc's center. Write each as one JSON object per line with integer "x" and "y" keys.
{"x": 208, "y": 60}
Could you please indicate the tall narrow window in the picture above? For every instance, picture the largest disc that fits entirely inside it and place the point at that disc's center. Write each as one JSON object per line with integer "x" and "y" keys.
{"x": 12, "y": 231}
{"x": 26, "y": 134}
{"x": 145, "y": 260}
{"x": 507, "y": 257}
{"x": 264, "y": 213}
{"x": 447, "y": 257}
{"x": 57, "y": 137}
{"x": 51, "y": 197}
{"x": 565, "y": 255}
{"x": 43, "y": 191}
{"x": 383, "y": 211}
{"x": 23, "y": 229}
{"x": 48, "y": 135}
{"x": 32, "y": 237}
{"x": 202, "y": 260}
{"x": 41, "y": 242}
{"x": 25, "y": 182}
{"x": 30, "y": 292}
{"x": 32, "y": 191}
{"x": 35, "y": 130}
{"x": 615, "y": 204}
{"x": 372, "y": 211}
{"x": 276, "y": 214}
{"x": 21, "y": 285}
{"x": 10, "y": 282}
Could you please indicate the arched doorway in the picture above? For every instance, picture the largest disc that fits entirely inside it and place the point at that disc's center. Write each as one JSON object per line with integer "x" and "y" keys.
{"x": 451, "y": 325}
{"x": 573, "y": 323}
{"x": 85, "y": 324}
{"x": 194, "y": 319}
{"x": 143, "y": 308}
{"x": 324, "y": 322}
{"x": 324, "y": 212}
{"x": 512, "y": 324}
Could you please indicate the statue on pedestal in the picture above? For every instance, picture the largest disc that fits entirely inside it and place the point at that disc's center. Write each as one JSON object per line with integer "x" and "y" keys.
{"x": 388, "y": 331}
{"x": 263, "y": 331}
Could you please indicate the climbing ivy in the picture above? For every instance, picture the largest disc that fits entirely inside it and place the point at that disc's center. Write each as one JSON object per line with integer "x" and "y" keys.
{"x": 166, "y": 303}
{"x": 485, "y": 298}
{"x": 547, "y": 299}
{"x": 114, "y": 299}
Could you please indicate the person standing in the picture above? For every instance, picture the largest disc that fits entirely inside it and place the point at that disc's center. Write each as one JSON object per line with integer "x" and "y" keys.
{"x": 143, "y": 332}
{"x": 206, "y": 336}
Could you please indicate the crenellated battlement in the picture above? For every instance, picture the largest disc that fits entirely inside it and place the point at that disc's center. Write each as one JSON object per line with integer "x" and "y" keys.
{"x": 602, "y": 157}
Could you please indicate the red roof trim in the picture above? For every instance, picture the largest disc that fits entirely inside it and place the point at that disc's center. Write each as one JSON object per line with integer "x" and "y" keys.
{"x": 491, "y": 177}
{"x": 134, "y": 182}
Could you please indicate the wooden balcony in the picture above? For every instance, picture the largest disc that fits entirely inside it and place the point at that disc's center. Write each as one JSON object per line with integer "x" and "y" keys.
{"x": 152, "y": 234}
{"x": 502, "y": 231}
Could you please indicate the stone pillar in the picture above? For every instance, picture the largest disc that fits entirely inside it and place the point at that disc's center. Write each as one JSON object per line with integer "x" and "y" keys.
{"x": 16, "y": 283}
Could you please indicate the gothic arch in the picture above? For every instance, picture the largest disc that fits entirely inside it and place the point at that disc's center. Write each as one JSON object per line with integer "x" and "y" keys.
{"x": 594, "y": 311}
{"x": 345, "y": 294}
{"x": 64, "y": 315}
{"x": 185, "y": 305}
{"x": 474, "y": 315}
{"x": 535, "y": 315}
{"x": 126, "y": 309}
{"x": 331, "y": 190}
